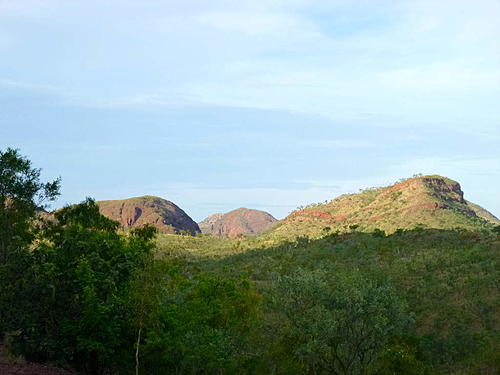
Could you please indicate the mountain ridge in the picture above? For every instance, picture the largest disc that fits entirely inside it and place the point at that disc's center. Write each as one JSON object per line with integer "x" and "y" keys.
{"x": 429, "y": 201}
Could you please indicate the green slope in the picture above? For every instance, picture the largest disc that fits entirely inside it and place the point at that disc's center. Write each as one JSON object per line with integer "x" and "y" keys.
{"x": 428, "y": 201}
{"x": 485, "y": 214}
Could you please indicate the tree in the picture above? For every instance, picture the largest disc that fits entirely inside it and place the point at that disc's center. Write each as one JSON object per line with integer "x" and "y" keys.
{"x": 22, "y": 194}
{"x": 339, "y": 322}
{"x": 202, "y": 325}
{"x": 79, "y": 282}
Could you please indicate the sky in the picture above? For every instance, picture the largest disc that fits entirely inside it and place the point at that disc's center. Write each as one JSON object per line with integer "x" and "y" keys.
{"x": 266, "y": 104}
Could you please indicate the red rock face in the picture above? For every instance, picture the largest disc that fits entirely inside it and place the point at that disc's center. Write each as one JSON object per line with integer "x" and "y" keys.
{"x": 136, "y": 212}
{"x": 447, "y": 190}
{"x": 241, "y": 221}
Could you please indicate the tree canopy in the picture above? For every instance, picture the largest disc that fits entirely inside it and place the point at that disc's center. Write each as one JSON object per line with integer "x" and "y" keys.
{"x": 22, "y": 194}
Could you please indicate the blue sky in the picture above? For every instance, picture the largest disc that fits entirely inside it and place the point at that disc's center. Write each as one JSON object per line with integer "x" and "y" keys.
{"x": 267, "y": 104}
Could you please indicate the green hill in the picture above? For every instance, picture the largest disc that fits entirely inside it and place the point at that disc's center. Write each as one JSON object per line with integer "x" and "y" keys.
{"x": 485, "y": 214}
{"x": 428, "y": 201}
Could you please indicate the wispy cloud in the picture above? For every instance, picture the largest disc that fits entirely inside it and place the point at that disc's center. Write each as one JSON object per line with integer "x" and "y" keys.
{"x": 435, "y": 60}
{"x": 27, "y": 85}
{"x": 346, "y": 94}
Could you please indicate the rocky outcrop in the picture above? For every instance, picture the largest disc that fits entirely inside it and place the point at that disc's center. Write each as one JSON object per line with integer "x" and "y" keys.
{"x": 242, "y": 221}
{"x": 159, "y": 212}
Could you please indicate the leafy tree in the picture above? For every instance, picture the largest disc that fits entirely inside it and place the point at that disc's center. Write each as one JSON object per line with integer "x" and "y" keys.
{"x": 398, "y": 359}
{"x": 339, "y": 322}
{"x": 78, "y": 291}
{"x": 202, "y": 326}
{"x": 22, "y": 194}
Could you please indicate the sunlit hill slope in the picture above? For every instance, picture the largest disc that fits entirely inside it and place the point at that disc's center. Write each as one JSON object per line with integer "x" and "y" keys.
{"x": 427, "y": 201}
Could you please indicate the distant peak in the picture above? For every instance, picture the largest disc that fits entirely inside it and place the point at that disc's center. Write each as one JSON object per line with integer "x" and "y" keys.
{"x": 240, "y": 221}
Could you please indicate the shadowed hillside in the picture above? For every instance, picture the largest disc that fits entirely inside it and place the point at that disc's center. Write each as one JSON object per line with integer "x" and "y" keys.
{"x": 136, "y": 212}
{"x": 427, "y": 201}
{"x": 236, "y": 222}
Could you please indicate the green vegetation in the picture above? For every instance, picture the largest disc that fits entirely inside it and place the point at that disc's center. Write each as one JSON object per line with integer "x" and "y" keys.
{"x": 78, "y": 292}
{"x": 481, "y": 212}
{"x": 339, "y": 320}
{"x": 22, "y": 194}
{"x": 438, "y": 286}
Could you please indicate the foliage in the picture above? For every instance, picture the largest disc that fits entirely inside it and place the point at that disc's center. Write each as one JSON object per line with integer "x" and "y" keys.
{"x": 378, "y": 233}
{"x": 79, "y": 279}
{"x": 400, "y": 358}
{"x": 339, "y": 321}
{"x": 21, "y": 195}
{"x": 202, "y": 326}
{"x": 447, "y": 279}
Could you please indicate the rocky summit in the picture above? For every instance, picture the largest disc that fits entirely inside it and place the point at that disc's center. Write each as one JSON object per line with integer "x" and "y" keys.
{"x": 242, "y": 221}
{"x": 426, "y": 201}
{"x": 161, "y": 213}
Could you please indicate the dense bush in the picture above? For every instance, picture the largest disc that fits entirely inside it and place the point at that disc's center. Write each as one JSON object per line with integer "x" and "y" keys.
{"x": 74, "y": 300}
{"x": 202, "y": 326}
{"x": 339, "y": 321}
{"x": 22, "y": 195}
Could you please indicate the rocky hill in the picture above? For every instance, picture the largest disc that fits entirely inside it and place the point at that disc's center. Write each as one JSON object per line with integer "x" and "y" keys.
{"x": 159, "y": 212}
{"x": 240, "y": 221}
{"x": 427, "y": 201}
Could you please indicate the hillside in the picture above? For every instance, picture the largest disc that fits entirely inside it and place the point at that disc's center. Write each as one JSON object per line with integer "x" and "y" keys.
{"x": 481, "y": 212}
{"x": 240, "y": 221}
{"x": 446, "y": 277}
{"x": 427, "y": 201}
{"x": 159, "y": 212}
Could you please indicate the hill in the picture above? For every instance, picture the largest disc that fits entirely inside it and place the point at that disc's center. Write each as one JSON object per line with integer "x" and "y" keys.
{"x": 159, "y": 212}
{"x": 485, "y": 214}
{"x": 240, "y": 221}
{"x": 427, "y": 201}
